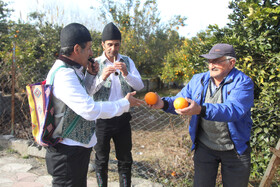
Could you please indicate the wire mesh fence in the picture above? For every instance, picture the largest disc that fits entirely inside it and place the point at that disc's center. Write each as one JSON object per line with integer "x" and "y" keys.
{"x": 161, "y": 148}
{"x": 161, "y": 144}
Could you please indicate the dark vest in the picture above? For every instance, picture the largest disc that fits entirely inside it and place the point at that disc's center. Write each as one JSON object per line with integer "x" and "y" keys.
{"x": 104, "y": 92}
{"x": 215, "y": 134}
{"x": 70, "y": 124}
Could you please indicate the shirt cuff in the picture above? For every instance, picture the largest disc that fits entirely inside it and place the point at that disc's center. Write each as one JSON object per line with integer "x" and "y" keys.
{"x": 100, "y": 81}
{"x": 128, "y": 77}
{"x": 124, "y": 103}
{"x": 203, "y": 111}
{"x": 89, "y": 77}
{"x": 166, "y": 104}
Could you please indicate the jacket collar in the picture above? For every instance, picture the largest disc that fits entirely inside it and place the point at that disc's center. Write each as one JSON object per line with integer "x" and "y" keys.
{"x": 231, "y": 75}
{"x": 69, "y": 61}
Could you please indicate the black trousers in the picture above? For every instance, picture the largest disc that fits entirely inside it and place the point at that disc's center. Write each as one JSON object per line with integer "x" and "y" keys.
{"x": 118, "y": 129}
{"x": 68, "y": 165}
{"x": 235, "y": 168}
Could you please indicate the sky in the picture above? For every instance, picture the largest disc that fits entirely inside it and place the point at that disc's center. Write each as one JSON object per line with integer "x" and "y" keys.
{"x": 199, "y": 14}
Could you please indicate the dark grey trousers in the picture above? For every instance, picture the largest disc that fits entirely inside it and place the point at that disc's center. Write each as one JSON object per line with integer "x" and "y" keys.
{"x": 68, "y": 165}
{"x": 235, "y": 169}
{"x": 118, "y": 129}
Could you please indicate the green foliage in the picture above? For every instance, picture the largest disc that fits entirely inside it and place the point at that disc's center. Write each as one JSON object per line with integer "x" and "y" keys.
{"x": 181, "y": 64}
{"x": 256, "y": 27}
{"x": 96, "y": 43}
{"x": 36, "y": 47}
{"x": 4, "y": 13}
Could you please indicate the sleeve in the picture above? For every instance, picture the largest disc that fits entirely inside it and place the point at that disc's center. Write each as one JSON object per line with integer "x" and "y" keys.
{"x": 89, "y": 83}
{"x": 185, "y": 92}
{"x": 68, "y": 89}
{"x": 134, "y": 78}
{"x": 94, "y": 84}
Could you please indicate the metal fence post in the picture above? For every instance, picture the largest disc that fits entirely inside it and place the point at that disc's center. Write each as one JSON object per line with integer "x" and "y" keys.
{"x": 13, "y": 89}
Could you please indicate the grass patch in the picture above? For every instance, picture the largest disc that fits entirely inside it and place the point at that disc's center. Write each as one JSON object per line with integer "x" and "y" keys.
{"x": 11, "y": 151}
{"x": 26, "y": 157}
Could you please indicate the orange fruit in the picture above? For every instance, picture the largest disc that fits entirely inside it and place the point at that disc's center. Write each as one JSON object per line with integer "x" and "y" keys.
{"x": 151, "y": 98}
{"x": 180, "y": 103}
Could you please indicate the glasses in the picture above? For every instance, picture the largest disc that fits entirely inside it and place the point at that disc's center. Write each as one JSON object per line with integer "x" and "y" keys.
{"x": 218, "y": 62}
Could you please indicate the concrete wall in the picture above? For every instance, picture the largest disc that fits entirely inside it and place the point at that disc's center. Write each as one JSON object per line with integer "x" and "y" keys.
{"x": 151, "y": 84}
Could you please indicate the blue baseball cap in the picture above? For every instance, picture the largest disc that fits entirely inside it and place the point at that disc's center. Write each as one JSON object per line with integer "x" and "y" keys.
{"x": 220, "y": 50}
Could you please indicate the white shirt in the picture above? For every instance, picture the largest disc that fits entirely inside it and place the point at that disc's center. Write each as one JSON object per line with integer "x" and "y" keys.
{"x": 68, "y": 89}
{"x": 133, "y": 78}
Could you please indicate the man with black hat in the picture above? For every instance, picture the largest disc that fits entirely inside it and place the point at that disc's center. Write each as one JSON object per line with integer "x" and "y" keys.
{"x": 117, "y": 76}
{"x": 75, "y": 111}
{"x": 220, "y": 103}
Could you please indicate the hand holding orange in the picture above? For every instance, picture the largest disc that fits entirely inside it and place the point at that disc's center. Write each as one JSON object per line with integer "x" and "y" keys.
{"x": 151, "y": 98}
{"x": 180, "y": 103}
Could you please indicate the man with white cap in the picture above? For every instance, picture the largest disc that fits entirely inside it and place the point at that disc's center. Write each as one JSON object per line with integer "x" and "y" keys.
{"x": 75, "y": 110}
{"x": 117, "y": 76}
{"x": 220, "y": 106}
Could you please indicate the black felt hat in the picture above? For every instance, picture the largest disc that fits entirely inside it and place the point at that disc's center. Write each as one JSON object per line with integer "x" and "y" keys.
{"x": 73, "y": 34}
{"x": 111, "y": 32}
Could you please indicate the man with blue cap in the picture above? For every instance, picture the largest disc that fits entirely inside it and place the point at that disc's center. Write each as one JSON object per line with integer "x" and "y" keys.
{"x": 220, "y": 109}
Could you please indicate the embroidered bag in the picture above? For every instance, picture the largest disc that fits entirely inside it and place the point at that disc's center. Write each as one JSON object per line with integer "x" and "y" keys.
{"x": 42, "y": 111}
